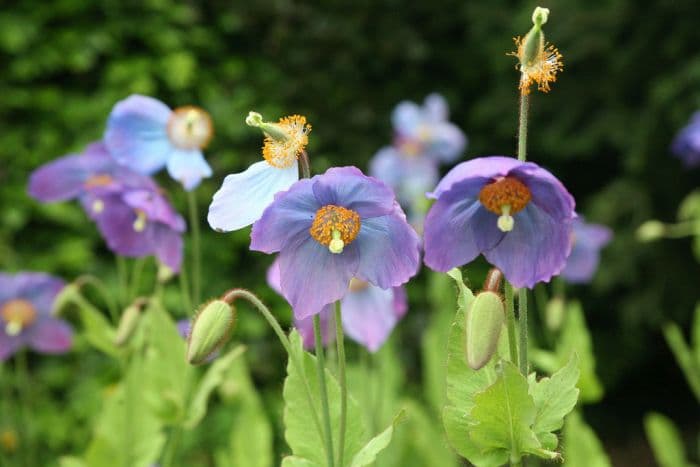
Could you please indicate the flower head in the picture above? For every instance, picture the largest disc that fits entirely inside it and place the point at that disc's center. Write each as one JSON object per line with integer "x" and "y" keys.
{"x": 516, "y": 214}
{"x": 244, "y": 196}
{"x": 25, "y": 315}
{"x": 146, "y": 135}
{"x": 130, "y": 210}
{"x": 332, "y": 228}
{"x": 686, "y": 145}
{"x": 369, "y": 313}
{"x": 587, "y": 240}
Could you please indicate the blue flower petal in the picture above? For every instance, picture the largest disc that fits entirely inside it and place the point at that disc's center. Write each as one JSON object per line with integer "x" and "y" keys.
{"x": 369, "y": 315}
{"x": 350, "y": 188}
{"x": 188, "y": 167}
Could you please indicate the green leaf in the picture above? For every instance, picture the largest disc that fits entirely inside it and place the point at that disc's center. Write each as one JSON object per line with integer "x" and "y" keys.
{"x": 554, "y": 398}
{"x": 464, "y": 295}
{"x": 294, "y": 461}
{"x": 696, "y": 334}
{"x": 71, "y": 461}
{"x": 582, "y": 448}
{"x": 665, "y": 440}
{"x": 684, "y": 356}
{"x": 368, "y": 453}
{"x": 212, "y": 379}
{"x": 96, "y": 328}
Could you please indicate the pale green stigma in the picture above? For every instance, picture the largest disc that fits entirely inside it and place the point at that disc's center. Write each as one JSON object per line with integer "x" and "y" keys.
{"x": 540, "y": 16}
{"x": 336, "y": 244}
{"x": 98, "y": 206}
{"x": 505, "y": 220}
{"x": 140, "y": 222}
{"x": 13, "y": 328}
{"x": 272, "y": 130}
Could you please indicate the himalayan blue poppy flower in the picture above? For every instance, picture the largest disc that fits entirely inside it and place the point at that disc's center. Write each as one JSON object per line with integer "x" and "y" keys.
{"x": 369, "y": 313}
{"x": 244, "y": 196}
{"x": 517, "y": 214}
{"x": 145, "y": 135}
{"x": 587, "y": 241}
{"x": 686, "y": 144}
{"x": 332, "y": 228}
{"x": 25, "y": 315}
{"x": 131, "y": 211}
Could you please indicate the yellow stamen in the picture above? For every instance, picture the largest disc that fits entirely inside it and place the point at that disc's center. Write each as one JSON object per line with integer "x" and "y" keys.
{"x": 190, "y": 127}
{"x": 282, "y": 152}
{"x": 505, "y": 197}
{"x": 98, "y": 206}
{"x": 99, "y": 180}
{"x": 357, "y": 285}
{"x": 140, "y": 222}
{"x": 17, "y": 314}
{"x": 542, "y": 69}
{"x": 335, "y": 227}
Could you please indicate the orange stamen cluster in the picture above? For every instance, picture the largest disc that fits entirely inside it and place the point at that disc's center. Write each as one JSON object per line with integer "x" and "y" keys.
{"x": 282, "y": 154}
{"x": 507, "y": 191}
{"x": 190, "y": 127}
{"x": 357, "y": 285}
{"x": 543, "y": 70}
{"x": 99, "y": 180}
{"x": 18, "y": 311}
{"x": 335, "y": 218}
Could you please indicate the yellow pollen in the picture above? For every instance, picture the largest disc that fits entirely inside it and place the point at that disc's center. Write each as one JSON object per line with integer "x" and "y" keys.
{"x": 17, "y": 314}
{"x": 543, "y": 70}
{"x": 140, "y": 222}
{"x": 335, "y": 224}
{"x": 190, "y": 127}
{"x": 357, "y": 285}
{"x": 98, "y": 180}
{"x": 507, "y": 191}
{"x": 98, "y": 206}
{"x": 282, "y": 154}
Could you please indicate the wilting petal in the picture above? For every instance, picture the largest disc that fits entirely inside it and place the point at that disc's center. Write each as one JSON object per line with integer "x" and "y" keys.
{"x": 306, "y": 327}
{"x": 583, "y": 261}
{"x": 188, "y": 167}
{"x": 244, "y": 196}
{"x": 350, "y": 188}
{"x": 168, "y": 246}
{"x": 291, "y": 213}
{"x": 312, "y": 277}
{"x": 136, "y": 133}
{"x": 369, "y": 316}
{"x": 479, "y": 171}
{"x": 389, "y": 250}
{"x": 50, "y": 335}
{"x": 535, "y": 250}
{"x": 9, "y": 344}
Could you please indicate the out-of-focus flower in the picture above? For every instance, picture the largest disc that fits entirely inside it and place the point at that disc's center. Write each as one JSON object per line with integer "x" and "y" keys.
{"x": 587, "y": 241}
{"x": 369, "y": 313}
{"x": 244, "y": 196}
{"x": 130, "y": 210}
{"x": 517, "y": 214}
{"x": 332, "y": 228}
{"x": 686, "y": 145}
{"x": 25, "y": 315}
{"x": 146, "y": 135}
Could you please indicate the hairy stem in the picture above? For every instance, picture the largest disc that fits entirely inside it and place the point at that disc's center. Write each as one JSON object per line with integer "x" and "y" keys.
{"x": 321, "y": 370}
{"x": 340, "y": 340}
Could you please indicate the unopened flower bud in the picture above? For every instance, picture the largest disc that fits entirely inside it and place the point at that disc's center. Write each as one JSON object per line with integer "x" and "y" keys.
{"x": 210, "y": 330}
{"x": 650, "y": 231}
{"x": 128, "y": 323}
{"x": 164, "y": 273}
{"x": 485, "y": 319}
{"x": 554, "y": 313}
{"x": 64, "y": 298}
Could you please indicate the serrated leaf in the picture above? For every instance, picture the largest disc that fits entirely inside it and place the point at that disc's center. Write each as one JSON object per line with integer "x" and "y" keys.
{"x": 464, "y": 295}
{"x": 368, "y": 453}
{"x": 665, "y": 440}
{"x": 582, "y": 448}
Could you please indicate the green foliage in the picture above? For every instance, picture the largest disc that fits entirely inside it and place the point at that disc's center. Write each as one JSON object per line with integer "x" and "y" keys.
{"x": 582, "y": 448}
{"x": 688, "y": 358}
{"x": 666, "y": 441}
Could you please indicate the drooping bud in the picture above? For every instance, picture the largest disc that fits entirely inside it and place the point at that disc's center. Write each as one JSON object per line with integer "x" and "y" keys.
{"x": 650, "y": 231}
{"x": 485, "y": 319}
{"x": 66, "y": 296}
{"x": 554, "y": 313}
{"x": 210, "y": 330}
{"x": 129, "y": 322}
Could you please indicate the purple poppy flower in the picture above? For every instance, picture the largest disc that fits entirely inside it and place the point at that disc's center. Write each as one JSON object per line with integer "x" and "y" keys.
{"x": 587, "y": 241}
{"x": 25, "y": 315}
{"x": 686, "y": 144}
{"x": 426, "y": 131}
{"x": 516, "y": 214}
{"x": 146, "y": 135}
{"x": 331, "y": 228}
{"x": 369, "y": 313}
{"x": 130, "y": 210}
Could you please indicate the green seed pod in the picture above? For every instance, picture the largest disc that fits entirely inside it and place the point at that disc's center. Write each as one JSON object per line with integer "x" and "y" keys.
{"x": 127, "y": 324}
{"x": 210, "y": 330}
{"x": 485, "y": 319}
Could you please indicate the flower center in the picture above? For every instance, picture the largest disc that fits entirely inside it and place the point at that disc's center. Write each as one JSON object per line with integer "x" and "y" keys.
{"x": 98, "y": 180}
{"x": 335, "y": 227}
{"x": 139, "y": 224}
{"x": 285, "y": 140}
{"x": 17, "y": 314}
{"x": 505, "y": 197}
{"x": 190, "y": 127}
{"x": 357, "y": 285}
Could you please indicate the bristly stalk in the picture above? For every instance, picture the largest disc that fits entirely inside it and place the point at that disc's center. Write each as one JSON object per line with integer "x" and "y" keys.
{"x": 196, "y": 248}
{"x": 321, "y": 369}
{"x": 510, "y": 324}
{"x": 340, "y": 340}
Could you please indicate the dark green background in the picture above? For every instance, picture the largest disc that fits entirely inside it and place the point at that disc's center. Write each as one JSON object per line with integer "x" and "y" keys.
{"x": 631, "y": 79}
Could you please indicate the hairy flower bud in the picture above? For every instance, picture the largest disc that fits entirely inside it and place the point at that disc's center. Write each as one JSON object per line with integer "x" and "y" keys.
{"x": 650, "y": 231}
{"x": 485, "y": 319}
{"x": 210, "y": 330}
{"x": 64, "y": 298}
{"x": 128, "y": 323}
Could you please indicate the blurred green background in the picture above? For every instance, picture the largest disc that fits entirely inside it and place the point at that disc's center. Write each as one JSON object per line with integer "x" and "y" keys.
{"x": 631, "y": 79}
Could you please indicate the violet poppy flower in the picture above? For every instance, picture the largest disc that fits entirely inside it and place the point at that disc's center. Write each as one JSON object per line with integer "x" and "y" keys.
{"x": 587, "y": 241}
{"x": 131, "y": 212}
{"x": 244, "y": 196}
{"x": 686, "y": 144}
{"x": 145, "y": 135}
{"x": 332, "y": 228}
{"x": 517, "y": 214}
{"x": 25, "y": 315}
{"x": 369, "y": 313}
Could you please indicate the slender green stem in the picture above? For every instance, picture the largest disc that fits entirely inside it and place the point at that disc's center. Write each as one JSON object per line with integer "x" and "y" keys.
{"x": 196, "y": 248}
{"x": 522, "y": 311}
{"x": 136, "y": 278}
{"x": 172, "y": 447}
{"x": 340, "y": 339}
{"x": 25, "y": 393}
{"x": 321, "y": 370}
{"x": 122, "y": 278}
{"x": 510, "y": 324}
{"x": 185, "y": 291}
{"x": 522, "y": 128}
{"x": 104, "y": 293}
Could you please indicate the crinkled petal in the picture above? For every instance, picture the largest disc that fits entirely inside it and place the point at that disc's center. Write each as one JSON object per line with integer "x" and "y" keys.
{"x": 273, "y": 276}
{"x": 50, "y": 335}
{"x": 9, "y": 344}
{"x": 480, "y": 170}
{"x": 306, "y": 328}
{"x": 244, "y": 196}
{"x": 389, "y": 250}
{"x": 583, "y": 261}
{"x": 291, "y": 213}
{"x": 369, "y": 316}
{"x": 350, "y": 188}
{"x": 136, "y": 133}
{"x": 37, "y": 287}
{"x": 406, "y": 117}
{"x": 116, "y": 224}
{"x": 188, "y": 167}
{"x": 313, "y": 277}
{"x": 155, "y": 206}
{"x": 168, "y": 245}
{"x": 535, "y": 250}
{"x": 436, "y": 109}
{"x": 547, "y": 191}
{"x": 409, "y": 177}
{"x": 446, "y": 142}
{"x": 387, "y": 166}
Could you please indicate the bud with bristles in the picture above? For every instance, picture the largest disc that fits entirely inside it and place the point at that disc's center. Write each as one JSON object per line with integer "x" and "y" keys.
{"x": 210, "y": 330}
{"x": 485, "y": 318}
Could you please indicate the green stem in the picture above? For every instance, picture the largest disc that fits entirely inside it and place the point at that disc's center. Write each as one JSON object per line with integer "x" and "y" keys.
{"x": 510, "y": 324}
{"x": 321, "y": 370}
{"x": 522, "y": 312}
{"x": 102, "y": 289}
{"x": 24, "y": 391}
{"x": 522, "y": 129}
{"x": 196, "y": 248}
{"x": 185, "y": 291}
{"x": 122, "y": 279}
{"x": 340, "y": 339}
{"x": 171, "y": 449}
{"x": 136, "y": 278}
